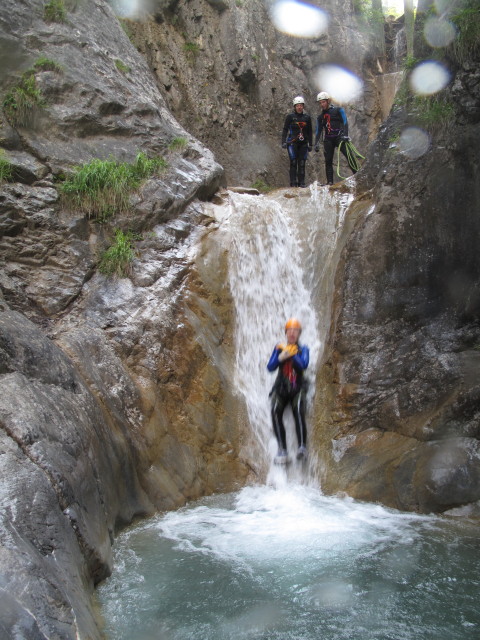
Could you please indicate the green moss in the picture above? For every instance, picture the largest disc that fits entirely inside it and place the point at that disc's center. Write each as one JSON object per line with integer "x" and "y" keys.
{"x": 121, "y": 66}
{"x": 117, "y": 259}
{"x": 261, "y": 186}
{"x": 410, "y": 62}
{"x": 394, "y": 138}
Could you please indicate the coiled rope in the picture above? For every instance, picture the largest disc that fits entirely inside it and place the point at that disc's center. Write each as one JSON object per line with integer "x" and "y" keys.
{"x": 352, "y": 157}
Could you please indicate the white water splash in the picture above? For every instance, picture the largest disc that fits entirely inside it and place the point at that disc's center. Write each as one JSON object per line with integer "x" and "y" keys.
{"x": 275, "y": 245}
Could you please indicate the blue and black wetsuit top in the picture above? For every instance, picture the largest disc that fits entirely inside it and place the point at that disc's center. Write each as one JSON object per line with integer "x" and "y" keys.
{"x": 297, "y": 129}
{"x": 332, "y": 123}
{"x": 290, "y": 379}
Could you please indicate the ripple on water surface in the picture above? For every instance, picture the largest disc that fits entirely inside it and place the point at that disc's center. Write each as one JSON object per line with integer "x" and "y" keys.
{"x": 291, "y": 564}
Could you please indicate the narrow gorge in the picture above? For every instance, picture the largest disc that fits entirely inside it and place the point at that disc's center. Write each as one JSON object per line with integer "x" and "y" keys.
{"x": 121, "y": 396}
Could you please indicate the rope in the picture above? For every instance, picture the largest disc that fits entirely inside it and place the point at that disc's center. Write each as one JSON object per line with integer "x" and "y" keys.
{"x": 352, "y": 157}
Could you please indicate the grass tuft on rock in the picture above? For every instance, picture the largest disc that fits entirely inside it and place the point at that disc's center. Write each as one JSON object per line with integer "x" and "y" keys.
{"x": 117, "y": 259}
{"x": 6, "y": 168}
{"x": 178, "y": 144}
{"x": 102, "y": 188}
{"x": 55, "y": 11}
{"x": 23, "y": 101}
{"x": 466, "y": 19}
{"x": 45, "y": 64}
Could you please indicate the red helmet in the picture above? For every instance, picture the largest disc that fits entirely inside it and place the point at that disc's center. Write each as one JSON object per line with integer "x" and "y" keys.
{"x": 293, "y": 323}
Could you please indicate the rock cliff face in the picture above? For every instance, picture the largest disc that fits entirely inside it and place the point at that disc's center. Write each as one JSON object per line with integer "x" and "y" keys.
{"x": 110, "y": 408}
{"x": 229, "y": 77}
{"x": 117, "y": 394}
{"x": 399, "y": 397}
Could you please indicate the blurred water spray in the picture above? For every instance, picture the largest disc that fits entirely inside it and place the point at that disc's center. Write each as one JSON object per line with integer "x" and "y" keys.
{"x": 343, "y": 85}
{"x": 429, "y": 77}
{"x": 439, "y": 32}
{"x": 299, "y": 18}
{"x": 414, "y": 142}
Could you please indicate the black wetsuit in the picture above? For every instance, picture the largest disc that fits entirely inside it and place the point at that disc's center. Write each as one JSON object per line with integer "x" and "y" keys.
{"x": 333, "y": 126}
{"x": 297, "y": 135}
{"x": 289, "y": 388}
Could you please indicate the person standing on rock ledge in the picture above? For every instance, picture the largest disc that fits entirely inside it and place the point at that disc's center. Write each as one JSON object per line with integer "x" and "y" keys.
{"x": 332, "y": 126}
{"x": 291, "y": 360}
{"x": 297, "y": 139}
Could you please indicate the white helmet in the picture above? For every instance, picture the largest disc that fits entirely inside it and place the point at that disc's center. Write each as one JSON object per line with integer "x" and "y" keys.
{"x": 298, "y": 100}
{"x": 323, "y": 95}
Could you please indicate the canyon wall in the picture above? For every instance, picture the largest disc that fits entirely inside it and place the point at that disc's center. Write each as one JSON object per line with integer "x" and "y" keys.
{"x": 117, "y": 393}
{"x": 229, "y": 78}
{"x": 398, "y": 397}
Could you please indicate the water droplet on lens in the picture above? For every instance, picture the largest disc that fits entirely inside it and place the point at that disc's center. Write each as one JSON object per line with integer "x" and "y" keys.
{"x": 429, "y": 77}
{"x": 439, "y": 32}
{"x": 299, "y": 19}
{"x": 343, "y": 85}
{"x": 414, "y": 142}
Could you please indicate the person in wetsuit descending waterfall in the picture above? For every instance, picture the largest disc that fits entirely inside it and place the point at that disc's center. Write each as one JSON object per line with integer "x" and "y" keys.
{"x": 297, "y": 136}
{"x": 291, "y": 360}
{"x": 332, "y": 125}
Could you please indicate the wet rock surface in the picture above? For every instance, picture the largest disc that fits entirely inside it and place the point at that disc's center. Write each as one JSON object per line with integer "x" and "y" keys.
{"x": 399, "y": 396}
{"x": 117, "y": 394}
{"x": 88, "y": 442}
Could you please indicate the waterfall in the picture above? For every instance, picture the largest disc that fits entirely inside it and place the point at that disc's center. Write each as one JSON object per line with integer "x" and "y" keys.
{"x": 290, "y": 564}
{"x": 280, "y": 249}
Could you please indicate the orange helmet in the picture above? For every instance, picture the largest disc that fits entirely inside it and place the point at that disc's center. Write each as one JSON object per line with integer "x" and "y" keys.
{"x": 293, "y": 323}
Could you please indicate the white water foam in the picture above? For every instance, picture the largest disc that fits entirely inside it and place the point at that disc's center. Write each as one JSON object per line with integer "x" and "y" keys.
{"x": 274, "y": 245}
{"x": 264, "y": 564}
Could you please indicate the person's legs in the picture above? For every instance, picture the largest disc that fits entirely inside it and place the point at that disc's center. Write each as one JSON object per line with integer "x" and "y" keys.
{"x": 328, "y": 151}
{"x": 302, "y": 159}
{"x": 298, "y": 408}
{"x": 292, "y": 153}
{"x": 277, "y": 408}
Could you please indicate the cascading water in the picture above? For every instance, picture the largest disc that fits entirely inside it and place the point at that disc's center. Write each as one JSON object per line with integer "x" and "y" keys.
{"x": 281, "y": 561}
{"x": 274, "y": 245}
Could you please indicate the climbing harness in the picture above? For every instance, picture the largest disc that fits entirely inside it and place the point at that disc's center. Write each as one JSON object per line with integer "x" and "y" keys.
{"x": 352, "y": 157}
{"x": 300, "y": 137}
